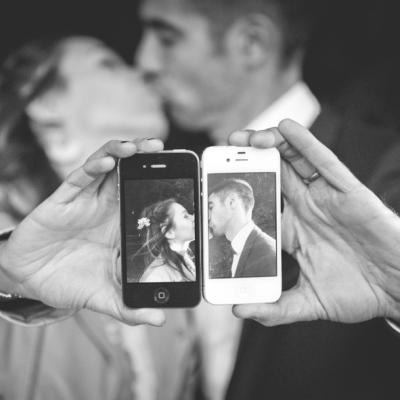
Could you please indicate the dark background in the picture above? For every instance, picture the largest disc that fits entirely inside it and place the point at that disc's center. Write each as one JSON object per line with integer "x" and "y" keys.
{"x": 353, "y": 57}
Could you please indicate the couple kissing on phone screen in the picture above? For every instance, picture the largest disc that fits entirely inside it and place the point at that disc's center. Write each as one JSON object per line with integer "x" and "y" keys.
{"x": 166, "y": 230}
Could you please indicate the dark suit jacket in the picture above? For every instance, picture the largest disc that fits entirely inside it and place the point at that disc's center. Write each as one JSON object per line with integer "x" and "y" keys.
{"x": 326, "y": 360}
{"x": 258, "y": 256}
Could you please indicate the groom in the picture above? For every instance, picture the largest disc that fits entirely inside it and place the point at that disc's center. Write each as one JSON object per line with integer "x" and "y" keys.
{"x": 251, "y": 252}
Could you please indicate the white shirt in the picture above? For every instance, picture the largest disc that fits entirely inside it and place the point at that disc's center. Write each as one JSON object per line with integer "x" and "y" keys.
{"x": 238, "y": 243}
{"x": 298, "y": 103}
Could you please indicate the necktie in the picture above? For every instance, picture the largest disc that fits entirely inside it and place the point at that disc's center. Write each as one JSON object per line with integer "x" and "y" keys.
{"x": 229, "y": 253}
{"x": 229, "y": 262}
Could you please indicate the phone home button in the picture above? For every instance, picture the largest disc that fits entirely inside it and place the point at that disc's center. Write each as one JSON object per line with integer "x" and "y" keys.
{"x": 161, "y": 295}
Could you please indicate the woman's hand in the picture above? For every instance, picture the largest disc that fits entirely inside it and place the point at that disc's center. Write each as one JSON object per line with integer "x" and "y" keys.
{"x": 65, "y": 253}
{"x": 346, "y": 241}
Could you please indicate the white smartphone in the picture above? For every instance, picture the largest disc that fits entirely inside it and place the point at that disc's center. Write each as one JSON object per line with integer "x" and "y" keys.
{"x": 242, "y": 230}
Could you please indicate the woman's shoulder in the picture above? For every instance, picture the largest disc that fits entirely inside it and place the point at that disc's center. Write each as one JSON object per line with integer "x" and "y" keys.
{"x": 160, "y": 271}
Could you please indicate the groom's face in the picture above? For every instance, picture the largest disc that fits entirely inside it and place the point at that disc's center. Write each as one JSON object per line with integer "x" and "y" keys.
{"x": 219, "y": 214}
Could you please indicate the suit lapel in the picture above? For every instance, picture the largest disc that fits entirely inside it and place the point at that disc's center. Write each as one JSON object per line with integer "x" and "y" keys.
{"x": 245, "y": 253}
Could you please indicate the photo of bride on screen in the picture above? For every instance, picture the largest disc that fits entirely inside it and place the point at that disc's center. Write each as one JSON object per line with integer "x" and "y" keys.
{"x": 161, "y": 231}
{"x": 167, "y": 230}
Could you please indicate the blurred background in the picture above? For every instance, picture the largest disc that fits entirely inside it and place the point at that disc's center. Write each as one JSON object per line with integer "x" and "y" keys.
{"x": 352, "y": 58}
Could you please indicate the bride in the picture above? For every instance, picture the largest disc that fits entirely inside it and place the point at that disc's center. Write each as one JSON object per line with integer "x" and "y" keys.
{"x": 167, "y": 230}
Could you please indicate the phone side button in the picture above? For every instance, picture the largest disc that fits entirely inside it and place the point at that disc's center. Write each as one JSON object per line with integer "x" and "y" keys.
{"x": 161, "y": 295}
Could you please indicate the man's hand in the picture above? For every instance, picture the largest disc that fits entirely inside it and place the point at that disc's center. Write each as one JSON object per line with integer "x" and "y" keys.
{"x": 346, "y": 241}
{"x": 66, "y": 252}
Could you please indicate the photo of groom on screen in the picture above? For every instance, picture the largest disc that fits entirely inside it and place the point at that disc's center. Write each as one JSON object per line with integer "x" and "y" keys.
{"x": 238, "y": 248}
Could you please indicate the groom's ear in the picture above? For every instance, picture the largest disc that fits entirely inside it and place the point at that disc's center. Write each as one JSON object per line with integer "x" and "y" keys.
{"x": 231, "y": 200}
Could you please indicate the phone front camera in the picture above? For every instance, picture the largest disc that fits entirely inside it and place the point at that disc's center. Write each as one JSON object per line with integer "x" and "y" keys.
{"x": 228, "y": 159}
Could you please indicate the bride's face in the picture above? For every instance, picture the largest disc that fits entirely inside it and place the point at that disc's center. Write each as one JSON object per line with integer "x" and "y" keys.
{"x": 182, "y": 224}
{"x": 103, "y": 99}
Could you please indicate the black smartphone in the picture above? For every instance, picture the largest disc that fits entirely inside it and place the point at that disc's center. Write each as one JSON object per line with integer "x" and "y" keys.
{"x": 160, "y": 229}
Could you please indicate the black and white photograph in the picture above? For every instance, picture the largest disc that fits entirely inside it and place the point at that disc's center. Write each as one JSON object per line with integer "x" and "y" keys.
{"x": 160, "y": 230}
{"x": 83, "y": 84}
{"x": 242, "y": 225}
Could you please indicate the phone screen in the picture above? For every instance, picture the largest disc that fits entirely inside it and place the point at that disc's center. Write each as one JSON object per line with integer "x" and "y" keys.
{"x": 242, "y": 225}
{"x": 160, "y": 230}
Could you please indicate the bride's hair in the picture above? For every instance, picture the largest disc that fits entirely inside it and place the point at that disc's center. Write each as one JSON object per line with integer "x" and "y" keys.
{"x": 25, "y": 75}
{"x": 159, "y": 220}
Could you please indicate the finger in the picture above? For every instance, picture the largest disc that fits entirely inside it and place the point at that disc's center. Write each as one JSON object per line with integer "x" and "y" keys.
{"x": 117, "y": 270}
{"x": 291, "y": 182}
{"x": 292, "y": 185}
{"x": 273, "y": 138}
{"x": 240, "y": 138}
{"x": 318, "y": 155}
{"x": 143, "y": 146}
{"x": 302, "y": 150}
{"x": 92, "y": 171}
{"x": 293, "y": 306}
{"x": 149, "y": 145}
{"x": 269, "y": 138}
{"x": 148, "y": 316}
{"x": 108, "y": 300}
{"x": 116, "y": 149}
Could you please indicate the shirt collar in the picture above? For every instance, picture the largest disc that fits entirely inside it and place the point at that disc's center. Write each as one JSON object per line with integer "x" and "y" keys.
{"x": 240, "y": 238}
{"x": 298, "y": 103}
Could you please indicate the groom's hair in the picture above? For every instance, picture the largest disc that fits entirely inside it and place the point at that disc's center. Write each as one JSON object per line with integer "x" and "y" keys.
{"x": 238, "y": 186}
{"x": 295, "y": 19}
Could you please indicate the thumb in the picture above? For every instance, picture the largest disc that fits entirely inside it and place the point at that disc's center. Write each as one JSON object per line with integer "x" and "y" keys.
{"x": 294, "y": 305}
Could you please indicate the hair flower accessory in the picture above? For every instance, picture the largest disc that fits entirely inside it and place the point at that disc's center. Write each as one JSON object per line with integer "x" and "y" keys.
{"x": 142, "y": 222}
